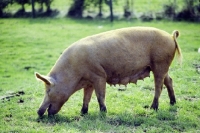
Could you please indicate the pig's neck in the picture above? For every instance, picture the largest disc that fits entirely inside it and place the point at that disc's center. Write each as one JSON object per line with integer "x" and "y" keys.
{"x": 65, "y": 80}
{"x": 65, "y": 75}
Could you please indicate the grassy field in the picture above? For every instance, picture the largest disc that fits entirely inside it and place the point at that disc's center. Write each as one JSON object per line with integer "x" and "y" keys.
{"x": 29, "y": 45}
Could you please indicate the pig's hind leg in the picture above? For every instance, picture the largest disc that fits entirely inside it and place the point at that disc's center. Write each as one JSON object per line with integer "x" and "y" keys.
{"x": 160, "y": 72}
{"x": 158, "y": 89}
{"x": 86, "y": 99}
{"x": 169, "y": 85}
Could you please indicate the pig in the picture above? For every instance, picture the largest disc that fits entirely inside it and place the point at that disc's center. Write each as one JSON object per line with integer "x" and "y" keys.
{"x": 119, "y": 56}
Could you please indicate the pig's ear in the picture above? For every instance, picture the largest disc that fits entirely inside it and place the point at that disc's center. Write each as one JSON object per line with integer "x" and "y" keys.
{"x": 47, "y": 80}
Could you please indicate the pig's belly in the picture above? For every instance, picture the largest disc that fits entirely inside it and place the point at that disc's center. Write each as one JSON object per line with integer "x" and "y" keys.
{"x": 114, "y": 77}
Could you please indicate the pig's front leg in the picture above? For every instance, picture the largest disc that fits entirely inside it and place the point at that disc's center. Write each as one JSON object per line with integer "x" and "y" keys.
{"x": 86, "y": 99}
{"x": 100, "y": 90}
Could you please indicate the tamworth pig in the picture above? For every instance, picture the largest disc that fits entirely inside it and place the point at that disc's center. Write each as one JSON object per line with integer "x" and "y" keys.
{"x": 115, "y": 57}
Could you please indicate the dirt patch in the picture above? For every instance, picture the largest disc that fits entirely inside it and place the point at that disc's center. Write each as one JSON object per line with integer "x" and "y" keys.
{"x": 197, "y": 67}
{"x": 11, "y": 95}
{"x": 28, "y": 67}
{"x": 191, "y": 98}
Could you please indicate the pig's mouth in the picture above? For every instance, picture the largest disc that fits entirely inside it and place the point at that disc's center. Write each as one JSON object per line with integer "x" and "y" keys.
{"x": 51, "y": 110}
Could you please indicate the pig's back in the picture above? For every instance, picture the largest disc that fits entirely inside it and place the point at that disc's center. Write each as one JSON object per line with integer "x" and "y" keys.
{"x": 122, "y": 49}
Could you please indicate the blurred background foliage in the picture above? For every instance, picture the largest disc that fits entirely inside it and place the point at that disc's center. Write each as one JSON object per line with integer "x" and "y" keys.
{"x": 146, "y": 10}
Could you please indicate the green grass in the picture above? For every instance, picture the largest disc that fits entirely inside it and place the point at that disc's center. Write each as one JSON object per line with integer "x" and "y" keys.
{"x": 29, "y": 45}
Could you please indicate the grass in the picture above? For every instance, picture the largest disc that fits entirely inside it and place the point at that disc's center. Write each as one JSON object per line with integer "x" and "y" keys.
{"x": 29, "y": 45}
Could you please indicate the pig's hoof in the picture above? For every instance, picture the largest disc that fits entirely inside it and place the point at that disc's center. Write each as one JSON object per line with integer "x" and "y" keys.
{"x": 103, "y": 109}
{"x": 173, "y": 101}
{"x": 84, "y": 111}
{"x": 154, "y": 106}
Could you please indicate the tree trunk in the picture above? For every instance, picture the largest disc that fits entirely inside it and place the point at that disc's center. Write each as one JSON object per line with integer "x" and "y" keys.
{"x": 48, "y": 4}
{"x": 76, "y": 10}
{"x": 111, "y": 11}
{"x": 1, "y": 12}
{"x": 33, "y": 8}
{"x": 23, "y": 8}
{"x": 100, "y": 8}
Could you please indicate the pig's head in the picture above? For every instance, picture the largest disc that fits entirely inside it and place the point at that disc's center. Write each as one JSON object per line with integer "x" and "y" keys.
{"x": 54, "y": 96}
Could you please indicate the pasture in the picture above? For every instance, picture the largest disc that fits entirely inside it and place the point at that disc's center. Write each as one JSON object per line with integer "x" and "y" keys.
{"x": 33, "y": 45}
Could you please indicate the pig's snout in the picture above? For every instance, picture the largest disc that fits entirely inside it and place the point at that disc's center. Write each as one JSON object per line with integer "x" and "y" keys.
{"x": 40, "y": 112}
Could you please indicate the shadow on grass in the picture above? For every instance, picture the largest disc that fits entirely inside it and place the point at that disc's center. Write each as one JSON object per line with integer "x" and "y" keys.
{"x": 162, "y": 120}
{"x": 104, "y": 122}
